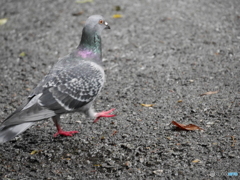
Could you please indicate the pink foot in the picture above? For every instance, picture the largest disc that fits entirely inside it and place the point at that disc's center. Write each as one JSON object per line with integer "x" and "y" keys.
{"x": 65, "y": 133}
{"x": 104, "y": 114}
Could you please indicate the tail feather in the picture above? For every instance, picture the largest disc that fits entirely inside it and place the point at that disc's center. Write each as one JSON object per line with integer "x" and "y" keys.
{"x": 34, "y": 113}
{"x": 8, "y": 133}
{"x": 21, "y": 120}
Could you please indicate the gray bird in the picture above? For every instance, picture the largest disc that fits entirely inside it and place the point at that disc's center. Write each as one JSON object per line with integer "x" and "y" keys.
{"x": 71, "y": 86}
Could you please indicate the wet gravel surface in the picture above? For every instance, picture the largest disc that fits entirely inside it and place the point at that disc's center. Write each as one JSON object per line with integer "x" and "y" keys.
{"x": 161, "y": 52}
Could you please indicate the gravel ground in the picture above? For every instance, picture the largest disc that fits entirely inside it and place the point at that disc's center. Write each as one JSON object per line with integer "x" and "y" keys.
{"x": 161, "y": 52}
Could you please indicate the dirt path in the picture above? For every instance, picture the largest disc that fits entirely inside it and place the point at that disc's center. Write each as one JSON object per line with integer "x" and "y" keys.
{"x": 161, "y": 52}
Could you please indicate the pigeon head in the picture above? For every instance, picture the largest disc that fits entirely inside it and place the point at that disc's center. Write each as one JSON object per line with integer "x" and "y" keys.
{"x": 90, "y": 45}
{"x": 96, "y": 23}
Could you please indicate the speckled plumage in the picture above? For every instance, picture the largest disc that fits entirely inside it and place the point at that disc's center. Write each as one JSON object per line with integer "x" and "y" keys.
{"x": 71, "y": 88}
{"x": 71, "y": 85}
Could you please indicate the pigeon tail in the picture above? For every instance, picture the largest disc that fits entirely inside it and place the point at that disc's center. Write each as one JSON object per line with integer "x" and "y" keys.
{"x": 20, "y": 121}
{"x": 10, "y": 132}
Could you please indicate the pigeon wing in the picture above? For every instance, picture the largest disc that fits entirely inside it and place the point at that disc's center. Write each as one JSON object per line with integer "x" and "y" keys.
{"x": 72, "y": 88}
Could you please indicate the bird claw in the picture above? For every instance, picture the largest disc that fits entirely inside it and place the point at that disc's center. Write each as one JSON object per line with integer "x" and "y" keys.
{"x": 104, "y": 114}
{"x": 65, "y": 133}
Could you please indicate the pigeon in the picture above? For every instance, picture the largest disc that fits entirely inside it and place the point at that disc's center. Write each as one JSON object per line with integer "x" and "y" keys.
{"x": 72, "y": 85}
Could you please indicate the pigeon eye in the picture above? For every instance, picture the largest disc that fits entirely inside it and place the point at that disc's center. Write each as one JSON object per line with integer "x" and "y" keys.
{"x": 100, "y": 22}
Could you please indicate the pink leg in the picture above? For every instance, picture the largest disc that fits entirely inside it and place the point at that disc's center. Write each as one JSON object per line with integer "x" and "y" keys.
{"x": 64, "y": 133}
{"x": 56, "y": 120}
{"x": 104, "y": 114}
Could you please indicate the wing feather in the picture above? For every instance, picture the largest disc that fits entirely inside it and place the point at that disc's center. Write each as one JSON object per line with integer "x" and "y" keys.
{"x": 72, "y": 88}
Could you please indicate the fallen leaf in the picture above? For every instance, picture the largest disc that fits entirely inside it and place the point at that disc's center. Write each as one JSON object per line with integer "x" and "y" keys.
{"x": 22, "y": 54}
{"x": 169, "y": 138}
{"x": 34, "y": 152}
{"x": 233, "y": 141}
{"x": 83, "y": 1}
{"x": 77, "y": 13}
{"x": 117, "y": 16}
{"x": 188, "y": 127}
{"x": 97, "y": 165}
{"x": 3, "y": 21}
{"x": 117, "y": 8}
{"x": 209, "y": 93}
{"x": 114, "y": 132}
{"x": 147, "y": 105}
{"x": 102, "y": 138}
{"x": 179, "y": 101}
{"x": 196, "y": 161}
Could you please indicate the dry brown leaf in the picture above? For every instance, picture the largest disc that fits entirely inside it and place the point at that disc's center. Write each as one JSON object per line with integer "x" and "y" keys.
{"x": 3, "y": 21}
{"x": 117, "y": 16}
{"x": 179, "y": 101}
{"x": 169, "y": 138}
{"x": 114, "y": 132}
{"x": 233, "y": 141}
{"x": 196, "y": 161}
{"x": 34, "y": 152}
{"x": 188, "y": 127}
{"x": 117, "y": 8}
{"x": 147, "y": 105}
{"x": 209, "y": 93}
{"x": 77, "y": 13}
{"x": 22, "y": 54}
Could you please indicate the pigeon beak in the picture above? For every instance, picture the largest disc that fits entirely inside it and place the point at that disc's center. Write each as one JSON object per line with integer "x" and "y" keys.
{"x": 106, "y": 25}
